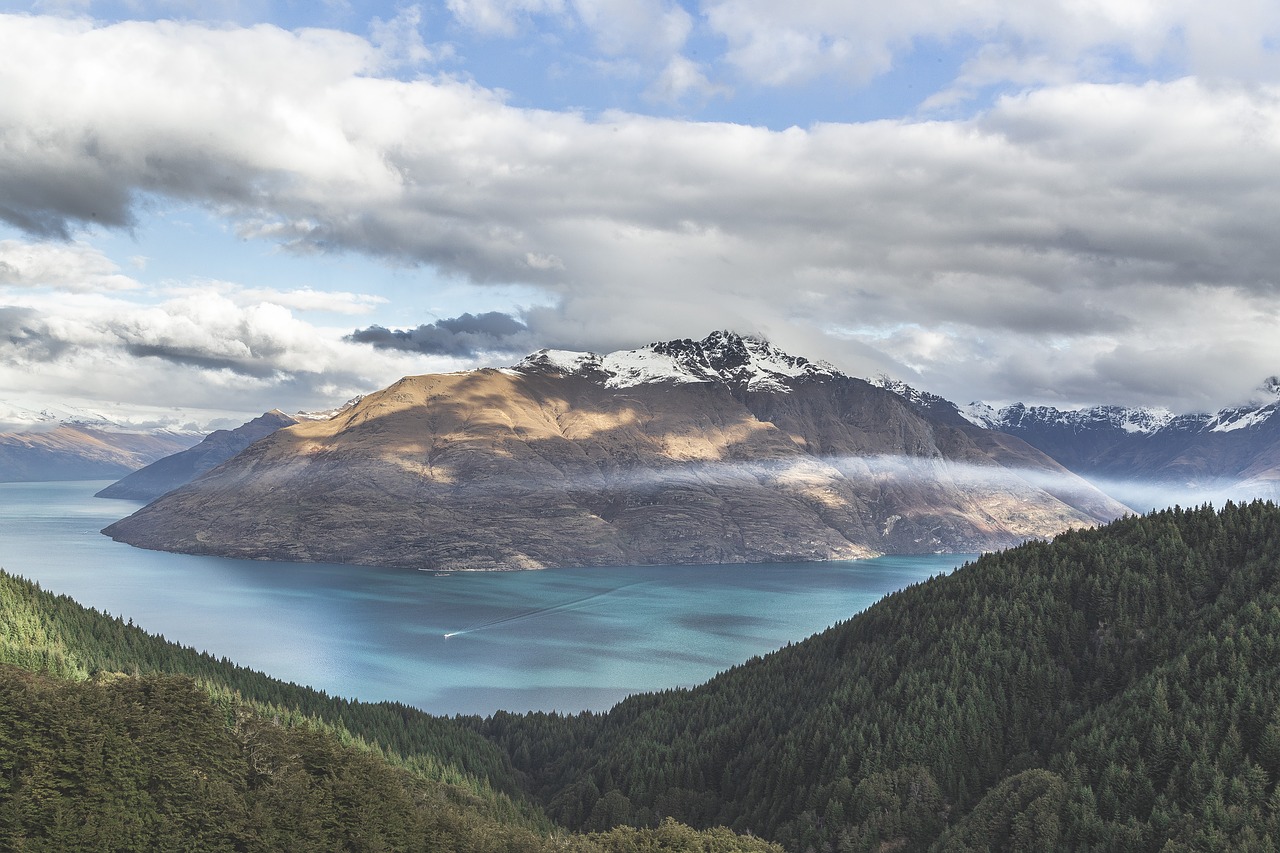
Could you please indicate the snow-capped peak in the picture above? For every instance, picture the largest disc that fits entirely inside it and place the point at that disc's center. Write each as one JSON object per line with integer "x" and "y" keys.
{"x": 726, "y": 357}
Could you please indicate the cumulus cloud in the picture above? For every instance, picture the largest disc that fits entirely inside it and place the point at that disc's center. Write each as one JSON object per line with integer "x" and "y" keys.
{"x": 618, "y": 27}
{"x": 199, "y": 349}
{"x": 683, "y": 79}
{"x": 71, "y": 267}
{"x": 465, "y": 336}
{"x": 635, "y": 26}
{"x": 501, "y": 17}
{"x": 308, "y": 299}
{"x": 1094, "y": 229}
{"x": 629, "y": 39}
{"x": 400, "y": 40}
{"x": 1056, "y": 41}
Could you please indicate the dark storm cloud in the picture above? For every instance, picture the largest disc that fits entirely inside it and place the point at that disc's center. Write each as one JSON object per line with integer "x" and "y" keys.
{"x": 467, "y": 335}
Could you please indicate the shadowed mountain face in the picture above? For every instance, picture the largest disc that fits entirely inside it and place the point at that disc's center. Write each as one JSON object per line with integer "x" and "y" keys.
{"x": 723, "y": 450}
{"x": 165, "y": 475}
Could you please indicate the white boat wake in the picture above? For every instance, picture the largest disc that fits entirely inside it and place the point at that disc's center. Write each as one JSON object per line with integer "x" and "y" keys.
{"x": 560, "y": 607}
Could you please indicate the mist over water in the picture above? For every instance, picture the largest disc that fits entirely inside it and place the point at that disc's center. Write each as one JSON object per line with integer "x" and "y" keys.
{"x": 558, "y": 639}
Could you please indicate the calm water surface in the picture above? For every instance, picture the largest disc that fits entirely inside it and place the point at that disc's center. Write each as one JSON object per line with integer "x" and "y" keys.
{"x": 561, "y": 639}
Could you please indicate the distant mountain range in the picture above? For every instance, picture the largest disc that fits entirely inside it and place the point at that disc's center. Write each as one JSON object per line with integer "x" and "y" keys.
{"x": 1144, "y": 457}
{"x": 67, "y": 443}
{"x": 167, "y": 474}
{"x": 720, "y": 450}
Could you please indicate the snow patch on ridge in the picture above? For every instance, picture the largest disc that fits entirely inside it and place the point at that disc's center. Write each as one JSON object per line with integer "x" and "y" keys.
{"x": 640, "y": 367}
{"x": 1143, "y": 420}
{"x": 980, "y": 415}
{"x": 1230, "y": 420}
{"x": 723, "y": 357}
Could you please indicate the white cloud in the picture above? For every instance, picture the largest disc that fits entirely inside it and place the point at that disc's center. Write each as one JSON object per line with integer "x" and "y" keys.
{"x": 780, "y": 43}
{"x": 306, "y": 299}
{"x": 635, "y": 26}
{"x": 400, "y": 39}
{"x": 1086, "y": 215}
{"x": 501, "y": 17}
{"x": 68, "y": 267}
{"x": 539, "y": 261}
{"x": 682, "y": 79}
{"x": 198, "y": 349}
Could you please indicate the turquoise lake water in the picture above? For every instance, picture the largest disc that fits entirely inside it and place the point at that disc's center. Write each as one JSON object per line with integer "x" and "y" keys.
{"x": 558, "y": 639}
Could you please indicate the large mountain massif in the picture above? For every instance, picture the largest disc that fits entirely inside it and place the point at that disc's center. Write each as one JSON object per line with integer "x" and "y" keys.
{"x": 720, "y": 450}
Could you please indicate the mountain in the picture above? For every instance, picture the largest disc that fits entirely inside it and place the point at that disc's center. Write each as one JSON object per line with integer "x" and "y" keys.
{"x": 76, "y": 444}
{"x": 1115, "y": 689}
{"x": 165, "y": 475}
{"x": 1148, "y": 457}
{"x": 720, "y": 450}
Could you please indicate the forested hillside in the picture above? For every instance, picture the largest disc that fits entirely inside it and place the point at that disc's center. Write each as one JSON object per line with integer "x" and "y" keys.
{"x": 102, "y": 747}
{"x": 1115, "y": 689}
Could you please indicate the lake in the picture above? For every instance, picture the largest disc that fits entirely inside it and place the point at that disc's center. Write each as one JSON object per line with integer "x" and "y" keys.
{"x": 557, "y": 639}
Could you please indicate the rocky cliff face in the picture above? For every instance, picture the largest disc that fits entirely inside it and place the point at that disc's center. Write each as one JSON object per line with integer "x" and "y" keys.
{"x": 721, "y": 450}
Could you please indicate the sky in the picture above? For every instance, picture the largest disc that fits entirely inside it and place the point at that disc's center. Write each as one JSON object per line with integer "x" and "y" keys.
{"x": 211, "y": 209}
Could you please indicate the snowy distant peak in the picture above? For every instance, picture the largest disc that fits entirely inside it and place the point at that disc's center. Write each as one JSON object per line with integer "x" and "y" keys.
{"x": 1269, "y": 391}
{"x": 1243, "y": 417}
{"x": 1264, "y": 403}
{"x": 1146, "y": 421}
{"x": 1142, "y": 421}
{"x": 980, "y": 414}
{"x": 16, "y": 417}
{"x": 725, "y": 357}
